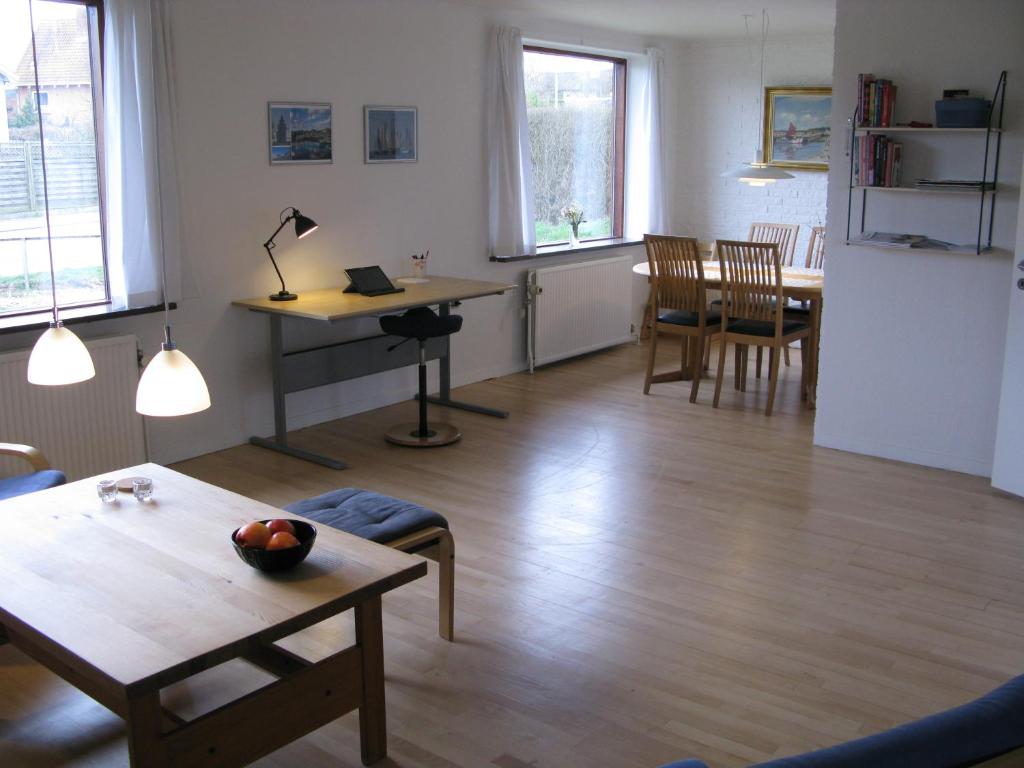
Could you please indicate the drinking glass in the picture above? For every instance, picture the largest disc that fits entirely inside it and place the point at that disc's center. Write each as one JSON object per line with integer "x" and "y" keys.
{"x": 107, "y": 490}
{"x": 142, "y": 488}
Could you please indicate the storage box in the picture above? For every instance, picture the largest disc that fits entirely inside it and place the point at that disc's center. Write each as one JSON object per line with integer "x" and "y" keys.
{"x": 962, "y": 113}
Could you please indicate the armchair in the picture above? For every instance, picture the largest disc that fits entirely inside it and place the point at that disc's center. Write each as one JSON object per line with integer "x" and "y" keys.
{"x": 40, "y": 478}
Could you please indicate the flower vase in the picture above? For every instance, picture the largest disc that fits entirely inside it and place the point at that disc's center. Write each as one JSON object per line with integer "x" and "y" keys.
{"x": 574, "y": 237}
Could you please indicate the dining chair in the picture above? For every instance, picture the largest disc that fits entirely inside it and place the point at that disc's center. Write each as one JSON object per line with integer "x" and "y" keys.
{"x": 783, "y": 235}
{"x": 752, "y": 310}
{"x": 816, "y": 249}
{"x": 679, "y": 306}
{"x": 40, "y": 478}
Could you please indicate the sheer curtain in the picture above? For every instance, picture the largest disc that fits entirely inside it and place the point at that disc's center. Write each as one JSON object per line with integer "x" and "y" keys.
{"x": 646, "y": 208}
{"x": 141, "y": 180}
{"x": 510, "y": 177}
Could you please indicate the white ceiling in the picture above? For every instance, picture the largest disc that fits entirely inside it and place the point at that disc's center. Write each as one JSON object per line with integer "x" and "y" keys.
{"x": 684, "y": 19}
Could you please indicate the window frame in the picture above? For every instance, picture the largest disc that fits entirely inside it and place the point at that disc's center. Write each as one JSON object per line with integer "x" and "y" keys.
{"x": 94, "y": 11}
{"x": 619, "y": 65}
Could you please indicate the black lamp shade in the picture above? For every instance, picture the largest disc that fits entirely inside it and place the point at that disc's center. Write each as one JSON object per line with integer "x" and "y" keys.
{"x": 303, "y": 225}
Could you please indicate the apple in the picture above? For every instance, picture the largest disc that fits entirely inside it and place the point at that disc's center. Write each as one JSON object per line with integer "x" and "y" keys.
{"x": 254, "y": 535}
{"x": 282, "y": 540}
{"x": 276, "y": 526}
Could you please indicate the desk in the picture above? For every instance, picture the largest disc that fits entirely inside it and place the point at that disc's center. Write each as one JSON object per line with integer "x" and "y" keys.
{"x": 126, "y": 598}
{"x": 798, "y": 283}
{"x": 295, "y": 370}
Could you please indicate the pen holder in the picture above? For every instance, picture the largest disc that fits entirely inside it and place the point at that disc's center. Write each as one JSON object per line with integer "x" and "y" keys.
{"x": 419, "y": 265}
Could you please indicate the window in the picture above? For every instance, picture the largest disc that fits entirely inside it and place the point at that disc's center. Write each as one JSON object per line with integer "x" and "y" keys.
{"x": 67, "y": 42}
{"x": 576, "y": 109}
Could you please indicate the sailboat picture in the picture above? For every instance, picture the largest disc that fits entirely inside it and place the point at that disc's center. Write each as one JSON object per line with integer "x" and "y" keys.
{"x": 797, "y": 127}
{"x": 389, "y": 135}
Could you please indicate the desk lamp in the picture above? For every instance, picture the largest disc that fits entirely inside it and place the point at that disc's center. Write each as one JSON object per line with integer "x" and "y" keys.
{"x": 303, "y": 226}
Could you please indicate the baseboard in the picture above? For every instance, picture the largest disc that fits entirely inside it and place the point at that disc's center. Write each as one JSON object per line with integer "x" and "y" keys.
{"x": 935, "y": 459}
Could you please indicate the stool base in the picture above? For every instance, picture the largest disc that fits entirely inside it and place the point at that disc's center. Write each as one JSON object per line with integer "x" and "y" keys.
{"x": 406, "y": 434}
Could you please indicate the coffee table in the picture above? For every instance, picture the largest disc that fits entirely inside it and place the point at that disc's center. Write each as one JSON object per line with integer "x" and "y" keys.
{"x": 127, "y": 598}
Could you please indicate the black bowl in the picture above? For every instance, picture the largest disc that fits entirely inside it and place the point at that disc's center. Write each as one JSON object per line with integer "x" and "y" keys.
{"x": 278, "y": 559}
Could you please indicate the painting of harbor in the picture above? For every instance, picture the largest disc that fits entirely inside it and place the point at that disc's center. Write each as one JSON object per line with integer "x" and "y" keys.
{"x": 300, "y": 133}
{"x": 797, "y": 127}
{"x": 390, "y": 134}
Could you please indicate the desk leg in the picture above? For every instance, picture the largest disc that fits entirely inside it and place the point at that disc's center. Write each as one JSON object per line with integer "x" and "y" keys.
{"x": 445, "y": 396}
{"x": 145, "y": 725}
{"x": 280, "y": 441}
{"x": 373, "y": 735}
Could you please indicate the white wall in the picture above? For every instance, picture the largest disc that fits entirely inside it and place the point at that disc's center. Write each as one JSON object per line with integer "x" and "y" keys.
{"x": 912, "y": 343}
{"x": 720, "y": 128}
{"x": 233, "y": 56}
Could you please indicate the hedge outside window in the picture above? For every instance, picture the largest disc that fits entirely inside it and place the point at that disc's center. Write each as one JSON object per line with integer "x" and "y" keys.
{"x": 576, "y": 112}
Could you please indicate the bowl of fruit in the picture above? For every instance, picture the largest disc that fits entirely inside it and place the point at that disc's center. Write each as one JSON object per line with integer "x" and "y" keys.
{"x": 274, "y": 545}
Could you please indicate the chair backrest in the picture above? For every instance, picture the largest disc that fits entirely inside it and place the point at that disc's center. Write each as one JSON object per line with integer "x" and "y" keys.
{"x": 751, "y": 281}
{"x": 677, "y": 273}
{"x": 816, "y": 248}
{"x": 783, "y": 235}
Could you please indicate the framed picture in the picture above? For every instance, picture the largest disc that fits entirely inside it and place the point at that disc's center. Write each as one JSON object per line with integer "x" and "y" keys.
{"x": 389, "y": 135}
{"x": 300, "y": 133}
{"x": 797, "y": 127}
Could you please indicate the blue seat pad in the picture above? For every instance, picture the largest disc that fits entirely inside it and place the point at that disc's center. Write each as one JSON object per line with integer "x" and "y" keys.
{"x": 34, "y": 481}
{"x": 764, "y": 327}
{"x": 678, "y": 317}
{"x": 368, "y": 515}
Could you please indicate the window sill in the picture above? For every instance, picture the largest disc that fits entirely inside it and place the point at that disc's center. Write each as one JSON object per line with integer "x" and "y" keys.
{"x": 586, "y": 247}
{"x": 41, "y": 320}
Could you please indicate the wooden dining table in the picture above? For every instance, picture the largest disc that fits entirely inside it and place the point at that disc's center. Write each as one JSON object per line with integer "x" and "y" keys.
{"x": 125, "y": 598}
{"x": 804, "y": 284}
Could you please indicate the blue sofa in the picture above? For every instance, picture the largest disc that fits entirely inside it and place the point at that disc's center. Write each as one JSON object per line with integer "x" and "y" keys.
{"x": 964, "y": 736}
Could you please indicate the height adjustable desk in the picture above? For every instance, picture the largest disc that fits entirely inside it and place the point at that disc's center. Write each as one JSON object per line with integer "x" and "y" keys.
{"x": 296, "y": 370}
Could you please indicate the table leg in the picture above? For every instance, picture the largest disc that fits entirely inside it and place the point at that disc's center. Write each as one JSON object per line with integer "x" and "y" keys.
{"x": 444, "y": 396}
{"x": 145, "y": 724}
{"x": 279, "y": 442}
{"x": 812, "y": 353}
{"x": 373, "y": 737}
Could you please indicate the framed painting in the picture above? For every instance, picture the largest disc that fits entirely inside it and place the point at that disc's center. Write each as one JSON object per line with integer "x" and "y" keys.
{"x": 300, "y": 133}
{"x": 389, "y": 135}
{"x": 797, "y": 127}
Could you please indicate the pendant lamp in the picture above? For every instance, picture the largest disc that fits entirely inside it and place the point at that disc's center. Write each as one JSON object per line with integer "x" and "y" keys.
{"x": 59, "y": 356}
{"x": 757, "y": 173}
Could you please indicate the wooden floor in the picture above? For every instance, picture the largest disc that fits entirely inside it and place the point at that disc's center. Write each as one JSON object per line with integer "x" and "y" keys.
{"x": 638, "y": 580}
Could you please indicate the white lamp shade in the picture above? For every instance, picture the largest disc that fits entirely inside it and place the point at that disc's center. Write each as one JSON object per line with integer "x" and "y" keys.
{"x": 757, "y": 174}
{"x": 59, "y": 357}
{"x": 171, "y": 385}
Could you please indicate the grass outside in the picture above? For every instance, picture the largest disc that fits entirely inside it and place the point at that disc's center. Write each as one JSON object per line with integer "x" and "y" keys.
{"x": 74, "y": 285}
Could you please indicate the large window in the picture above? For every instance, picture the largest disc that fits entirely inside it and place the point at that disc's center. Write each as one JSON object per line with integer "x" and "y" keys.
{"x": 67, "y": 42}
{"x": 576, "y": 108}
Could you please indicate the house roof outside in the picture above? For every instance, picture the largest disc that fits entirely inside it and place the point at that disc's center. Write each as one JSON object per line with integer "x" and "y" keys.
{"x": 63, "y": 48}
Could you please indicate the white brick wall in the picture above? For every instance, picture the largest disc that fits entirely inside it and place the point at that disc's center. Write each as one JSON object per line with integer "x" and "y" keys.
{"x": 719, "y": 128}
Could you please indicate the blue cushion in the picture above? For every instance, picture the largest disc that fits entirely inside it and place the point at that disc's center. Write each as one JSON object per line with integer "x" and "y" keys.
{"x": 369, "y": 515}
{"x": 964, "y": 736}
{"x": 764, "y": 327}
{"x": 34, "y": 481}
{"x": 678, "y": 317}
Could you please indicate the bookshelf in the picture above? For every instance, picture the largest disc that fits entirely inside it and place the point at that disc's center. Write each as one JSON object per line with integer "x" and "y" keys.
{"x": 989, "y": 139}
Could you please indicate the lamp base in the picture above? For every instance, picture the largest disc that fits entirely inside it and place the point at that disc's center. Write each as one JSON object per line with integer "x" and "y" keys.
{"x": 283, "y": 296}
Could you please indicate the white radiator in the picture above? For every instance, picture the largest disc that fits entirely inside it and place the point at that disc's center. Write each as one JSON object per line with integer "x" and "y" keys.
{"x": 83, "y": 429}
{"x": 578, "y": 308}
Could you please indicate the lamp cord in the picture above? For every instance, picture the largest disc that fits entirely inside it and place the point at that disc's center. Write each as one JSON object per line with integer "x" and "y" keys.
{"x": 42, "y": 159}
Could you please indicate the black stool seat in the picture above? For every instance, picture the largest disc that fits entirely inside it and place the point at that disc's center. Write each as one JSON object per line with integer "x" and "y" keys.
{"x": 420, "y": 323}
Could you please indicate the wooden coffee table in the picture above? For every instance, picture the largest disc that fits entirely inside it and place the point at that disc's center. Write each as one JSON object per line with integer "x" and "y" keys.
{"x": 127, "y": 598}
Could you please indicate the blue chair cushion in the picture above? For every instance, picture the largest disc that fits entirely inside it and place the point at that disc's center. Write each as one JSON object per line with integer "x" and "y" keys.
{"x": 678, "y": 317}
{"x": 34, "y": 481}
{"x": 764, "y": 327}
{"x": 369, "y": 515}
{"x": 964, "y": 736}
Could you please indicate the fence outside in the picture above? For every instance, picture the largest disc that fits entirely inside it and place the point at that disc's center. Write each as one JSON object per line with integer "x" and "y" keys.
{"x": 70, "y": 169}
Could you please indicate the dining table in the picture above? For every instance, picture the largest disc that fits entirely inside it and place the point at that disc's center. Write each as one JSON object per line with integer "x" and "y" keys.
{"x": 125, "y": 598}
{"x": 803, "y": 284}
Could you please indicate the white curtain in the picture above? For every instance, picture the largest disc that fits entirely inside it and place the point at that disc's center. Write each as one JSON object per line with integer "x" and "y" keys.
{"x": 510, "y": 176}
{"x": 646, "y": 206}
{"x": 141, "y": 189}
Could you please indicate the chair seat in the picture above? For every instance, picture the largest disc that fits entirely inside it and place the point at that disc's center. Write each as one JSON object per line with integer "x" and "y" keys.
{"x": 33, "y": 481}
{"x": 764, "y": 327}
{"x": 368, "y": 515}
{"x": 420, "y": 323}
{"x": 692, "y": 319}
